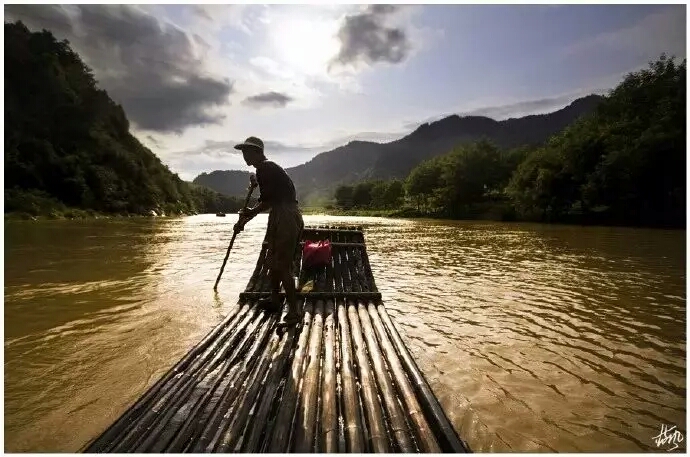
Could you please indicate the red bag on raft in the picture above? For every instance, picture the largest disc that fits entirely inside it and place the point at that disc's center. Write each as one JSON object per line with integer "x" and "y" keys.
{"x": 316, "y": 253}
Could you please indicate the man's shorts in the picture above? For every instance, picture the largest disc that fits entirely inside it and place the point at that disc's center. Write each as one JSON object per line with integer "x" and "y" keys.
{"x": 285, "y": 225}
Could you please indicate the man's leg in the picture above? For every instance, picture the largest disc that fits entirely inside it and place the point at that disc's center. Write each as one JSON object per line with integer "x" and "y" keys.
{"x": 275, "y": 277}
{"x": 287, "y": 243}
{"x": 290, "y": 295}
{"x": 274, "y": 303}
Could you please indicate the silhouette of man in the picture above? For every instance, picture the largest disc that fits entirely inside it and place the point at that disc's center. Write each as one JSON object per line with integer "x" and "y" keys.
{"x": 285, "y": 225}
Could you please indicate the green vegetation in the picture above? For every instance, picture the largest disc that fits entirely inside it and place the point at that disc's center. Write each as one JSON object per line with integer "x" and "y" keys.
{"x": 377, "y": 195}
{"x": 623, "y": 164}
{"x": 68, "y": 150}
{"x": 69, "y": 153}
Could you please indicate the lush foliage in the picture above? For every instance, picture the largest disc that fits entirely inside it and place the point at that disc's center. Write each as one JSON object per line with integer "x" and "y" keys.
{"x": 623, "y": 164}
{"x": 67, "y": 144}
{"x": 370, "y": 194}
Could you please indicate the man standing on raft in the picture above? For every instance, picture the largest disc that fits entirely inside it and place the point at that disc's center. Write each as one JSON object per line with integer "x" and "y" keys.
{"x": 284, "y": 229}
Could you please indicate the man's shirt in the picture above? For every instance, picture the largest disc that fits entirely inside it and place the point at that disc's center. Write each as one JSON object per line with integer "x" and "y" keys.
{"x": 274, "y": 183}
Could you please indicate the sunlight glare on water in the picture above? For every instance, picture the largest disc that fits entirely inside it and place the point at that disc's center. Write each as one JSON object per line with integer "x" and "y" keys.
{"x": 533, "y": 337}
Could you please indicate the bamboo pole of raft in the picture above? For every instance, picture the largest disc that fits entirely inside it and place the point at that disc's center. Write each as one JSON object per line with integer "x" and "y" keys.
{"x": 246, "y": 366}
{"x": 373, "y": 413}
{"x": 425, "y": 436}
{"x": 342, "y": 382}
{"x": 239, "y": 362}
{"x": 175, "y": 404}
{"x": 284, "y": 418}
{"x": 396, "y": 416}
{"x": 329, "y": 415}
{"x": 306, "y": 410}
{"x": 247, "y": 398}
{"x": 259, "y": 424}
{"x": 157, "y": 439}
{"x": 105, "y": 440}
{"x": 226, "y": 340}
{"x": 352, "y": 423}
{"x": 444, "y": 430}
{"x": 132, "y": 435}
{"x": 340, "y": 444}
{"x": 192, "y": 423}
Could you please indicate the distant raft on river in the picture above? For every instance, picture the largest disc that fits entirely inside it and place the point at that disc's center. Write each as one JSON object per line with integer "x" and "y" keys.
{"x": 342, "y": 381}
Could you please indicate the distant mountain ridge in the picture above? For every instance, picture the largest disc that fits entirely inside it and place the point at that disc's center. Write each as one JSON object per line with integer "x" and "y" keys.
{"x": 362, "y": 160}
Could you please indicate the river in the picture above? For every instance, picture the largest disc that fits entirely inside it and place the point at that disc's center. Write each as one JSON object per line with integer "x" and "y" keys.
{"x": 534, "y": 337}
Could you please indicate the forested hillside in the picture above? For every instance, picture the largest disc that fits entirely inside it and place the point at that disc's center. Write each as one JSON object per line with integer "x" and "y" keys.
{"x": 623, "y": 164}
{"x": 67, "y": 144}
{"x": 363, "y": 160}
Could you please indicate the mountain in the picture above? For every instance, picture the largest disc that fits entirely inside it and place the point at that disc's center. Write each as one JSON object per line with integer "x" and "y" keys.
{"x": 68, "y": 145}
{"x": 362, "y": 160}
{"x": 230, "y": 182}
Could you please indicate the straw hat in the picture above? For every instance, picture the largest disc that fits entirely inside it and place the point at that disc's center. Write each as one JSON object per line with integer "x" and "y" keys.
{"x": 251, "y": 144}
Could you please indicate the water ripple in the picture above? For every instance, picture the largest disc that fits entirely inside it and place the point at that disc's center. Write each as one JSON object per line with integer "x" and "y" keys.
{"x": 534, "y": 338}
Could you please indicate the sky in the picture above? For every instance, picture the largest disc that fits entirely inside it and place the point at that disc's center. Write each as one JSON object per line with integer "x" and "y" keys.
{"x": 196, "y": 79}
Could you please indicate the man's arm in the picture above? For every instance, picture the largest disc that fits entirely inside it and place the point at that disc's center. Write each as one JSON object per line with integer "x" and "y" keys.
{"x": 248, "y": 214}
{"x": 251, "y": 213}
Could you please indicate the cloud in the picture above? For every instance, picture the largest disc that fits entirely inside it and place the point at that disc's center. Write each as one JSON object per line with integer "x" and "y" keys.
{"x": 220, "y": 149}
{"x": 202, "y": 11}
{"x": 527, "y": 107}
{"x": 151, "y": 67}
{"x": 662, "y": 31}
{"x": 221, "y": 155}
{"x": 365, "y": 38}
{"x": 216, "y": 16}
{"x": 518, "y": 109}
{"x": 274, "y": 99}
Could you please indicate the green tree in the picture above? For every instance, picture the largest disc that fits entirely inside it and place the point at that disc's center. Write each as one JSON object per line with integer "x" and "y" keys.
{"x": 68, "y": 143}
{"x": 470, "y": 172}
{"x": 624, "y": 164}
{"x": 343, "y": 197}
{"x": 394, "y": 194}
{"x": 423, "y": 181}
{"x": 361, "y": 194}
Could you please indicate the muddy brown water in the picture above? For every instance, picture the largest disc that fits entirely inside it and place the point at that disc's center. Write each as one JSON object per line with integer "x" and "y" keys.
{"x": 534, "y": 337}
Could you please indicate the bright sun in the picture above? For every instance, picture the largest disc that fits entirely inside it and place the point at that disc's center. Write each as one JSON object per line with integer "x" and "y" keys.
{"x": 305, "y": 44}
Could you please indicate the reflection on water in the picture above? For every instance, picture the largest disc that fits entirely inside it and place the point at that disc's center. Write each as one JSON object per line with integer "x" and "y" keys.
{"x": 535, "y": 338}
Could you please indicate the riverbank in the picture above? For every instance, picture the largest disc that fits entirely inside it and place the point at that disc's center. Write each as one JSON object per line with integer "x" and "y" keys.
{"x": 80, "y": 214}
{"x": 493, "y": 213}
{"x": 35, "y": 205}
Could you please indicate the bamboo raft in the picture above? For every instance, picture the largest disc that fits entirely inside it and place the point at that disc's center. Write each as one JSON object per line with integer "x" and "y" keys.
{"x": 342, "y": 381}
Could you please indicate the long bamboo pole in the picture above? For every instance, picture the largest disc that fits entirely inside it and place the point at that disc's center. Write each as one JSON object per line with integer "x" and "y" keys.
{"x": 284, "y": 418}
{"x": 110, "y": 437}
{"x": 445, "y": 432}
{"x": 305, "y": 423}
{"x": 250, "y": 189}
{"x": 156, "y": 440}
{"x": 193, "y": 423}
{"x": 260, "y": 424}
{"x": 329, "y": 414}
{"x": 424, "y": 434}
{"x": 350, "y": 401}
{"x": 249, "y": 361}
{"x": 372, "y": 409}
{"x": 226, "y": 357}
{"x": 395, "y": 414}
{"x": 180, "y": 385}
{"x": 247, "y": 398}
